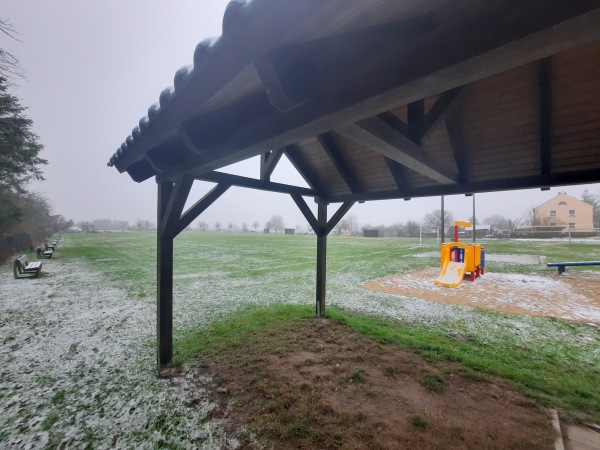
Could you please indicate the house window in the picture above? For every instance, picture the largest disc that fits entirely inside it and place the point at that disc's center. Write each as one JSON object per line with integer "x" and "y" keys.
{"x": 571, "y": 226}
{"x": 562, "y": 203}
{"x": 571, "y": 213}
{"x": 552, "y": 213}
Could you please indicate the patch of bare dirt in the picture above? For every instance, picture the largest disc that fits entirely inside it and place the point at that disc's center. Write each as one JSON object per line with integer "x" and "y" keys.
{"x": 574, "y": 295}
{"x": 325, "y": 386}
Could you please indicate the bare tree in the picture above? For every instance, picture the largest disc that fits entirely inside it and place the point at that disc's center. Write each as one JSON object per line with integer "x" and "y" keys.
{"x": 86, "y": 227}
{"x": 142, "y": 224}
{"x": 353, "y": 225}
{"x": 342, "y": 225}
{"x": 218, "y": 226}
{"x": 245, "y": 227}
{"x": 412, "y": 228}
{"x": 230, "y": 226}
{"x": 202, "y": 226}
{"x": 529, "y": 218}
{"x": 275, "y": 222}
{"x": 497, "y": 221}
{"x": 255, "y": 225}
{"x": 9, "y": 64}
{"x": 434, "y": 218}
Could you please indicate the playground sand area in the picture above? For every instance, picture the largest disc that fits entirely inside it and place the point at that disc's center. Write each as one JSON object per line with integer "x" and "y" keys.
{"x": 575, "y": 295}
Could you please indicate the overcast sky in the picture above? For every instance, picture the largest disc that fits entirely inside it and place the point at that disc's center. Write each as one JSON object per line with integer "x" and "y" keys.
{"x": 92, "y": 70}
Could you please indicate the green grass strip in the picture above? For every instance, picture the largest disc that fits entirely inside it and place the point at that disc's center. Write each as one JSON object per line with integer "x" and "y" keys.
{"x": 539, "y": 374}
{"x": 542, "y": 375}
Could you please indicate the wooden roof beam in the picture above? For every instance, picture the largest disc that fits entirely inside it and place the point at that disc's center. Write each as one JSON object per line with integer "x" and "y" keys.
{"x": 534, "y": 31}
{"x": 441, "y": 109}
{"x": 273, "y": 86}
{"x": 306, "y": 212}
{"x": 251, "y": 183}
{"x": 398, "y": 171}
{"x": 339, "y": 161}
{"x": 177, "y": 198}
{"x": 247, "y": 32}
{"x": 545, "y": 105}
{"x": 294, "y": 154}
{"x": 459, "y": 148}
{"x": 185, "y": 137}
{"x": 415, "y": 115}
{"x": 268, "y": 162}
{"x": 200, "y": 206}
{"x": 553, "y": 179}
{"x": 382, "y": 138}
{"x": 329, "y": 225}
{"x": 338, "y": 215}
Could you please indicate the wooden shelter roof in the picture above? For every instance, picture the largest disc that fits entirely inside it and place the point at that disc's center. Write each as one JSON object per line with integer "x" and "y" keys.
{"x": 385, "y": 99}
{"x": 373, "y": 100}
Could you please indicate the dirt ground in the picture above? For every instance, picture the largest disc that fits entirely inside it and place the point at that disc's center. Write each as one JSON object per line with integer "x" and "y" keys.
{"x": 325, "y": 386}
{"x": 575, "y": 295}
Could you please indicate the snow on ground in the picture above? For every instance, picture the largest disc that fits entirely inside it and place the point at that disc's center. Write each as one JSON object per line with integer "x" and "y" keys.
{"x": 77, "y": 361}
{"x": 502, "y": 291}
{"x": 496, "y": 257}
{"x": 77, "y": 368}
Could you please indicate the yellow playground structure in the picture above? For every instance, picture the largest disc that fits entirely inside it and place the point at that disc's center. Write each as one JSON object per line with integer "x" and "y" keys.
{"x": 457, "y": 259}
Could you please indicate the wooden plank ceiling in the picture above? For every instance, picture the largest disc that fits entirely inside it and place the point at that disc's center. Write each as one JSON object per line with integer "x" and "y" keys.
{"x": 385, "y": 98}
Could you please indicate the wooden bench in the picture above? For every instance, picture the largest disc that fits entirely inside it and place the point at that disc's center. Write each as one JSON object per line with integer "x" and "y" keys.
{"x": 50, "y": 246}
{"x": 23, "y": 268}
{"x": 46, "y": 253}
{"x": 561, "y": 266}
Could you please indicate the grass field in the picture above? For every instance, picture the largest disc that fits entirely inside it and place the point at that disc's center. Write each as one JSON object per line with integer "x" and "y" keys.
{"x": 244, "y": 279}
{"x": 216, "y": 273}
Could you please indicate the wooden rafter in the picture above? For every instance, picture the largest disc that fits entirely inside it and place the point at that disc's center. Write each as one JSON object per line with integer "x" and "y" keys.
{"x": 251, "y": 183}
{"x": 415, "y": 114}
{"x": 294, "y": 154}
{"x": 200, "y": 206}
{"x": 554, "y": 179}
{"x": 175, "y": 205}
{"x": 545, "y": 105}
{"x": 459, "y": 147}
{"x": 440, "y": 110}
{"x": 339, "y": 161}
{"x": 338, "y": 215}
{"x": 306, "y": 212}
{"x": 185, "y": 137}
{"x": 268, "y": 162}
{"x": 271, "y": 81}
{"x": 541, "y": 29}
{"x": 382, "y": 138}
{"x": 398, "y": 171}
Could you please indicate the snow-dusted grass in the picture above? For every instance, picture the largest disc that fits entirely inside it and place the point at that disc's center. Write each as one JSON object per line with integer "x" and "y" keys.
{"x": 76, "y": 370}
{"x": 77, "y": 345}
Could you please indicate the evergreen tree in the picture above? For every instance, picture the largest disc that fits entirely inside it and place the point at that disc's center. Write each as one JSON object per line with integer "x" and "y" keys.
{"x": 19, "y": 149}
{"x": 19, "y": 160}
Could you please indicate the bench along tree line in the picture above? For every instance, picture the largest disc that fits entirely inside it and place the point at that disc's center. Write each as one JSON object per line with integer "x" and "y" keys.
{"x": 26, "y": 217}
{"x": 23, "y": 268}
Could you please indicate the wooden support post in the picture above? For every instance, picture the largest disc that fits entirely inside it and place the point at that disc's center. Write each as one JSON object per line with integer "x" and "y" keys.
{"x": 322, "y": 228}
{"x": 164, "y": 280}
{"x": 442, "y": 221}
{"x": 321, "y": 258}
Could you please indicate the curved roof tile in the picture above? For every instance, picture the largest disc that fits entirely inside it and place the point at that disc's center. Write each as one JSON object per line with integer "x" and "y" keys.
{"x": 233, "y": 20}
